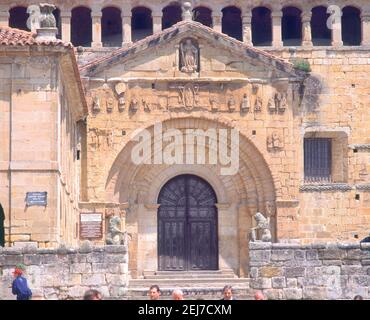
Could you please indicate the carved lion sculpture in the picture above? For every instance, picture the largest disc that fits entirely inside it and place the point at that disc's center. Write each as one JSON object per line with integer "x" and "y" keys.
{"x": 263, "y": 224}
{"x": 115, "y": 235}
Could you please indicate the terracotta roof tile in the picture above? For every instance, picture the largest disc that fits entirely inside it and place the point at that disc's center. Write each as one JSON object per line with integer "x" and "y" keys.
{"x": 17, "y": 37}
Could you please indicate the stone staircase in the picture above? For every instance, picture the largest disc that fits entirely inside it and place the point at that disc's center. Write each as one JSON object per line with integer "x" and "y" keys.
{"x": 206, "y": 285}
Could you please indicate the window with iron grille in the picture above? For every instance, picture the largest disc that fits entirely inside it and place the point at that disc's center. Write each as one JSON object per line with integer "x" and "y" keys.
{"x": 317, "y": 159}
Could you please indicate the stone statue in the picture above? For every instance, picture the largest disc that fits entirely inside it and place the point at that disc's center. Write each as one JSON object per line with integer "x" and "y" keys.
{"x": 214, "y": 104}
{"x": 189, "y": 56}
{"x": 121, "y": 102}
{"x": 244, "y": 107}
{"x": 47, "y": 19}
{"x": 96, "y": 104}
{"x": 146, "y": 106}
{"x": 231, "y": 104}
{"x": 258, "y": 105}
{"x": 110, "y": 102}
{"x": 33, "y": 22}
{"x": 115, "y": 235}
{"x": 271, "y": 106}
{"x": 263, "y": 225}
{"x": 134, "y": 105}
{"x": 283, "y": 102}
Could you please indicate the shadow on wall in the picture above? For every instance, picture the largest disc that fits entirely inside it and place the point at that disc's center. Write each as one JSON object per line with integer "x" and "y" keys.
{"x": 2, "y": 233}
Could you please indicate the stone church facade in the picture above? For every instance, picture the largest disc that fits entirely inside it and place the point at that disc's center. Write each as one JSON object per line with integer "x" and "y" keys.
{"x": 69, "y": 114}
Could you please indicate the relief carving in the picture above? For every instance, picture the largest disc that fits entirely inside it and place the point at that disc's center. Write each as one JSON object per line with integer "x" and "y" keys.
{"x": 134, "y": 105}
{"x": 258, "y": 105}
{"x": 121, "y": 102}
{"x": 189, "y": 56}
{"x": 188, "y": 95}
{"x": 274, "y": 141}
{"x": 244, "y": 106}
{"x": 231, "y": 104}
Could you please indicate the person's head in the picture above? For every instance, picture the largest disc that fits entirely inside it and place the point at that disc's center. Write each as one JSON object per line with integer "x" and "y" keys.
{"x": 227, "y": 292}
{"x": 358, "y": 297}
{"x": 177, "y": 294}
{"x": 93, "y": 294}
{"x": 259, "y": 296}
{"x": 154, "y": 292}
{"x": 19, "y": 269}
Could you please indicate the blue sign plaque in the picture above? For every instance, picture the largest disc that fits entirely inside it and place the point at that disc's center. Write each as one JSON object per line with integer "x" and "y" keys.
{"x": 36, "y": 199}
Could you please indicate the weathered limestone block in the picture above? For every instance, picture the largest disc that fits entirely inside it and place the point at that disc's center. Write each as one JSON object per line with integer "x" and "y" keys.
{"x": 269, "y": 272}
{"x": 295, "y": 272}
{"x": 353, "y": 270}
{"x": 30, "y": 259}
{"x": 260, "y": 283}
{"x": 278, "y": 282}
{"x": 291, "y": 282}
{"x": 106, "y": 267}
{"x": 77, "y": 258}
{"x": 120, "y": 280}
{"x": 117, "y": 258}
{"x": 93, "y": 279}
{"x": 273, "y": 294}
{"x": 292, "y": 293}
{"x": 332, "y": 254}
{"x": 282, "y": 255}
{"x": 96, "y": 257}
{"x": 314, "y": 293}
{"x": 80, "y": 268}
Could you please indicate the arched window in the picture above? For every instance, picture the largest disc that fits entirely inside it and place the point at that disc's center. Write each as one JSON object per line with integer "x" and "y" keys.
{"x": 351, "y": 26}
{"x": 56, "y": 13}
{"x": 292, "y": 26}
{"x": 2, "y": 231}
{"x": 111, "y": 27}
{"x": 321, "y": 34}
{"x": 141, "y": 23}
{"x": 261, "y": 27}
{"x": 232, "y": 22}
{"x": 172, "y": 14}
{"x": 203, "y": 15}
{"x": 81, "y": 27}
{"x": 18, "y": 17}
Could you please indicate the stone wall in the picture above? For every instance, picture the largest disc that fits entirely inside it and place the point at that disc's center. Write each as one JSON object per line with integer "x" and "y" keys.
{"x": 67, "y": 273}
{"x": 316, "y": 271}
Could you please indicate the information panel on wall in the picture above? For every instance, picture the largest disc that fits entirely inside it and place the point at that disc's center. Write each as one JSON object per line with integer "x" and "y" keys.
{"x": 91, "y": 225}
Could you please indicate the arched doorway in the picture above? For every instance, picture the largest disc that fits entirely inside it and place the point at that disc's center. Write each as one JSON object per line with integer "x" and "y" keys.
{"x": 187, "y": 225}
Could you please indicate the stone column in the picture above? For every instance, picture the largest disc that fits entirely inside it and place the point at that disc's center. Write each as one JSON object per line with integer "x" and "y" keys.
{"x": 247, "y": 28}
{"x": 306, "y": 29}
{"x": 96, "y": 26}
{"x": 4, "y": 16}
{"x": 336, "y": 35}
{"x": 65, "y": 17}
{"x": 126, "y": 27}
{"x": 157, "y": 21}
{"x": 365, "y": 19}
{"x": 217, "y": 21}
{"x": 276, "y": 29}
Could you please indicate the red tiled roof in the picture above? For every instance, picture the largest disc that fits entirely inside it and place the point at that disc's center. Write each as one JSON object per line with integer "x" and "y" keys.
{"x": 17, "y": 37}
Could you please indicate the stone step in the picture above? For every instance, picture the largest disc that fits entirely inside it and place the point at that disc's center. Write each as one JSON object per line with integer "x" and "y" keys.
{"x": 189, "y": 282}
{"x": 189, "y": 275}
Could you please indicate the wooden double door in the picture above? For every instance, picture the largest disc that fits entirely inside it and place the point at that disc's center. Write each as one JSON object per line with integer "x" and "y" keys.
{"x": 187, "y": 225}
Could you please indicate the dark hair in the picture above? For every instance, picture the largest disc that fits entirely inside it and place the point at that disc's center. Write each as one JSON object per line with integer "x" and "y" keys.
{"x": 91, "y": 294}
{"x": 358, "y": 297}
{"x": 154, "y": 286}
{"x": 227, "y": 288}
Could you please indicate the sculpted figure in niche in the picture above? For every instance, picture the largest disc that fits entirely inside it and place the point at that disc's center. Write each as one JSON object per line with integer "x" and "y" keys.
{"x": 214, "y": 104}
{"x": 134, "y": 105}
{"x": 271, "y": 105}
{"x": 231, "y": 104}
{"x": 274, "y": 141}
{"x": 121, "y": 102}
{"x": 263, "y": 227}
{"x": 258, "y": 105}
{"x": 96, "y": 104}
{"x": 244, "y": 107}
{"x": 146, "y": 105}
{"x": 115, "y": 236}
{"x": 189, "y": 56}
